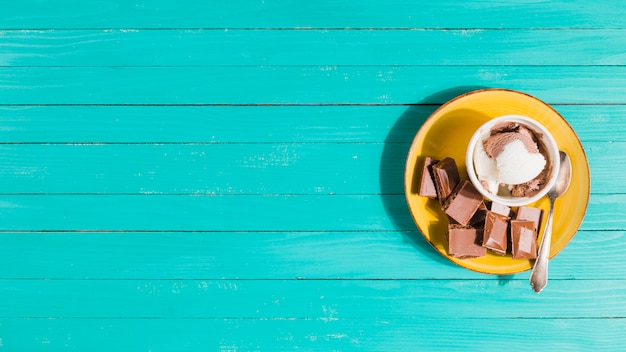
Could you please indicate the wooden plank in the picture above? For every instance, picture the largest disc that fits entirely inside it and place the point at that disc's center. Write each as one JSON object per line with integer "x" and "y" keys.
{"x": 227, "y": 169}
{"x": 303, "y": 85}
{"x": 274, "y": 255}
{"x": 265, "y": 124}
{"x": 325, "y": 299}
{"x": 318, "y": 47}
{"x": 223, "y": 124}
{"x": 212, "y": 169}
{"x": 225, "y": 213}
{"x": 321, "y": 14}
{"x": 230, "y": 334}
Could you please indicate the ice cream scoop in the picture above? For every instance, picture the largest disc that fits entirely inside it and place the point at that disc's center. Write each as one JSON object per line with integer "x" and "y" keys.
{"x": 509, "y": 155}
{"x": 517, "y": 165}
{"x": 511, "y": 159}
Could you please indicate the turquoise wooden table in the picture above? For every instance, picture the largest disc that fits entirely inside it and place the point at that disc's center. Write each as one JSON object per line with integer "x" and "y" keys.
{"x": 228, "y": 175}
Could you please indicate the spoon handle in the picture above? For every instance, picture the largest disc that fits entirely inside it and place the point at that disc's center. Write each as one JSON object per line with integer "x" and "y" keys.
{"x": 539, "y": 275}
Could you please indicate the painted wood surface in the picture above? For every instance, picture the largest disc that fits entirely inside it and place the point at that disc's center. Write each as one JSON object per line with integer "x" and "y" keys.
{"x": 259, "y": 14}
{"x": 284, "y": 255}
{"x": 390, "y": 124}
{"x": 310, "y": 85}
{"x": 228, "y": 334}
{"x": 228, "y": 175}
{"x": 226, "y": 169}
{"x": 143, "y": 47}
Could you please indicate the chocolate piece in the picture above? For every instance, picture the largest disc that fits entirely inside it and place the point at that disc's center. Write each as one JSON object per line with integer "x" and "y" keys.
{"x": 464, "y": 242}
{"x": 500, "y": 209}
{"x": 446, "y": 177}
{"x": 427, "y": 184}
{"x": 530, "y": 214}
{"x": 462, "y": 204}
{"x": 495, "y": 234}
{"x": 479, "y": 215}
{"x": 523, "y": 239}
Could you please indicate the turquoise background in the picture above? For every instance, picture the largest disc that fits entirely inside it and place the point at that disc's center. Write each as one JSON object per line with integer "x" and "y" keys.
{"x": 228, "y": 175}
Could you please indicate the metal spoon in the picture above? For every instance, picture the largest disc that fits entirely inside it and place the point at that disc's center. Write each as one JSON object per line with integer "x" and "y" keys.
{"x": 539, "y": 275}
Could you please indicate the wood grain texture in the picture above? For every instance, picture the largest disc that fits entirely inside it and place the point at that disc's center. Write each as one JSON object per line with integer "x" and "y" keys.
{"x": 318, "y": 47}
{"x": 225, "y": 213}
{"x": 228, "y": 175}
{"x": 266, "y": 124}
{"x": 303, "y": 85}
{"x": 233, "y": 169}
{"x": 282, "y": 255}
{"x": 327, "y": 299}
{"x": 227, "y": 334}
{"x": 321, "y": 14}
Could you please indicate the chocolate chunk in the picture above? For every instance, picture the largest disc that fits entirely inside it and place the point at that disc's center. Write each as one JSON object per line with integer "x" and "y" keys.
{"x": 500, "y": 209}
{"x": 530, "y": 214}
{"x": 465, "y": 242}
{"x": 523, "y": 239}
{"x": 427, "y": 184}
{"x": 479, "y": 215}
{"x": 446, "y": 177}
{"x": 462, "y": 204}
{"x": 495, "y": 234}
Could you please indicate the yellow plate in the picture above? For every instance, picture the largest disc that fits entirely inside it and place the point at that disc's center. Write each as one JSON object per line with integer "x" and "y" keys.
{"x": 447, "y": 132}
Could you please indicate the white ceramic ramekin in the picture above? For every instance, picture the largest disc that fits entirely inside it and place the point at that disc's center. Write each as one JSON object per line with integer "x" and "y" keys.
{"x": 542, "y": 134}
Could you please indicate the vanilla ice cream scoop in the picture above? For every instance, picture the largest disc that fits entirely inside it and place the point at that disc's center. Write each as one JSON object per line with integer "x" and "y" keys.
{"x": 516, "y": 165}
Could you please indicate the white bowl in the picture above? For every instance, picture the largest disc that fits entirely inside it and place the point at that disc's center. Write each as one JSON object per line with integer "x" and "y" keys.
{"x": 542, "y": 134}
